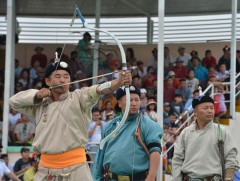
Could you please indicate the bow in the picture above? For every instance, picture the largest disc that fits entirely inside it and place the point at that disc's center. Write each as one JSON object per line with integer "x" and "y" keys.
{"x": 124, "y": 68}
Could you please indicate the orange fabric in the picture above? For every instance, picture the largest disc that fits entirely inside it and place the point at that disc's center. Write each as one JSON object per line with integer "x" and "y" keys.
{"x": 63, "y": 160}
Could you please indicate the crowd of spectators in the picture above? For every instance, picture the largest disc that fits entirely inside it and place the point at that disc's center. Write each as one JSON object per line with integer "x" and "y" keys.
{"x": 183, "y": 75}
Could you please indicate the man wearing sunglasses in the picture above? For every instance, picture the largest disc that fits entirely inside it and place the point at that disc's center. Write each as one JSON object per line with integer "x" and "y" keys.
{"x": 198, "y": 148}
{"x": 133, "y": 153}
{"x": 62, "y": 120}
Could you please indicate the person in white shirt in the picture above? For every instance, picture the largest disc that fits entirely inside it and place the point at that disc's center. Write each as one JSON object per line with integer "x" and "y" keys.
{"x": 184, "y": 56}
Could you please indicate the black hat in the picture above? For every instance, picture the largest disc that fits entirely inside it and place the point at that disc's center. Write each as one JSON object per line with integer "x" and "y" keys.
{"x": 200, "y": 100}
{"x": 24, "y": 149}
{"x": 56, "y": 66}
{"x": 122, "y": 92}
{"x": 226, "y": 48}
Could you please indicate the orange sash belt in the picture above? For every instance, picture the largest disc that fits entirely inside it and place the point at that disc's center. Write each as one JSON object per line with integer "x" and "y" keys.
{"x": 63, "y": 160}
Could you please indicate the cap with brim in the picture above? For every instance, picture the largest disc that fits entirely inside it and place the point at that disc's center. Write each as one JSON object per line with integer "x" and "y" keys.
{"x": 200, "y": 100}
{"x": 151, "y": 101}
{"x": 122, "y": 92}
{"x": 166, "y": 122}
{"x": 180, "y": 48}
{"x": 166, "y": 104}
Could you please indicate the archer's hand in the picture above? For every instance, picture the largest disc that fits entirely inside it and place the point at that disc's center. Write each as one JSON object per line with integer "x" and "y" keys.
{"x": 126, "y": 77}
{"x": 42, "y": 93}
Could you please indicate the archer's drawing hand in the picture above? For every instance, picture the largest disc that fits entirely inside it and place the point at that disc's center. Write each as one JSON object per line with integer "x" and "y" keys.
{"x": 42, "y": 93}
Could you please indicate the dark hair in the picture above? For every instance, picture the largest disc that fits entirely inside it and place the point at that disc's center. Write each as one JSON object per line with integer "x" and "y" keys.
{"x": 139, "y": 62}
{"x": 177, "y": 95}
{"x": 4, "y": 156}
{"x": 149, "y": 67}
{"x": 182, "y": 80}
{"x": 196, "y": 91}
{"x": 131, "y": 51}
{"x": 95, "y": 109}
{"x": 166, "y": 48}
{"x": 207, "y": 51}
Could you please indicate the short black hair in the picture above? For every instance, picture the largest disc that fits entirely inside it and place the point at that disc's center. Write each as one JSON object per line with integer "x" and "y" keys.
{"x": 4, "y": 156}
{"x": 95, "y": 109}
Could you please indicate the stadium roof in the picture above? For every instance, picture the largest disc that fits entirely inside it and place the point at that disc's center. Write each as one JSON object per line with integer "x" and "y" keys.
{"x": 122, "y": 8}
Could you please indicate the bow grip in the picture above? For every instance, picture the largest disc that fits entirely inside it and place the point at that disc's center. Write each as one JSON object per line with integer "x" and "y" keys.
{"x": 124, "y": 69}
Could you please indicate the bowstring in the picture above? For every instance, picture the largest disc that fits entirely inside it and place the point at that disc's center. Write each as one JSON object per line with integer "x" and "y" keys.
{"x": 65, "y": 42}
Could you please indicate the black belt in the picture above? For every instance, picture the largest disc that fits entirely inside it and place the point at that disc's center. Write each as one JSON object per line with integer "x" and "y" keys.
{"x": 141, "y": 176}
{"x": 210, "y": 178}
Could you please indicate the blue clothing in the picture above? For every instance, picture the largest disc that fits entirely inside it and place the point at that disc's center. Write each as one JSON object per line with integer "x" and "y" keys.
{"x": 123, "y": 153}
{"x": 187, "y": 106}
{"x": 201, "y": 73}
{"x": 177, "y": 108}
{"x": 185, "y": 93}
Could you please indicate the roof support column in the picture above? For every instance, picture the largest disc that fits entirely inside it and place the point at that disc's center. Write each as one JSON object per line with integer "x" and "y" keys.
{"x": 9, "y": 69}
{"x": 96, "y": 45}
{"x": 233, "y": 61}
{"x": 149, "y": 30}
{"x": 160, "y": 73}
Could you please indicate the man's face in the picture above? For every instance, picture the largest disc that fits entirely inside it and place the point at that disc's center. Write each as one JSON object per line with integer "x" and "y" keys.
{"x": 183, "y": 84}
{"x": 59, "y": 77}
{"x": 25, "y": 154}
{"x": 222, "y": 68}
{"x": 25, "y": 119}
{"x": 134, "y": 103}
{"x": 95, "y": 116}
{"x": 204, "y": 112}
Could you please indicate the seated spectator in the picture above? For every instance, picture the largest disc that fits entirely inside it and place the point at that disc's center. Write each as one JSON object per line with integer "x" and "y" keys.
{"x": 33, "y": 71}
{"x": 40, "y": 57}
{"x": 143, "y": 99}
{"x": 200, "y": 72}
{"x": 191, "y": 81}
{"x": 225, "y": 59}
{"x": 169, "y": 90}
{"x": 106, "y": 98}
{"x": 180, "y": 70}
{"x": 168, "y": 137}
{"x": 130, "y": 57}
{"x": 219, "y": 101}
{"x": 209, "y": 60}
{"x": 183, "y": 91}
{"x": 110, "y": 116}
{"x": 142, "y": 71}
{"x": 25, "y": 79}
{"x": 14, "y": 119}
{"x": 24, "y": 131}
{"x": 183, "y": 56}
{"x": 94, "y": 131}
{"x": 4, "y": 157}
{"x": 18, "y": 87}
{"x": 108, "y": 109}
{"x": 137, "y": 81}
{"x": 194, "y": 54}
{"x": 168, "y": 58}
{"x": 154, "y": 62}
{"x": 74, "y": 64}
{"x": 171, "y": 74}
{"x": 223, "y": 75}
{"x": 177, "y": 105}
{"x": 40, "y": 76}
{"x": 166, "y": 109}
{"x": 18, "y": 69}
{"x": 151, "y": 109}
{"x": 148, "y": 79}
{"x": 22, "y": 164}
{"x": 29, "y": 174}
{"x": 188, "y": 105}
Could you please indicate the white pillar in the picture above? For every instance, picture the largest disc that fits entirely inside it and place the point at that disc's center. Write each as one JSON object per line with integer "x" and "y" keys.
{"x": 233, "y": 61}
{"x": 9, "y": 69}
{"x": 96, "y": 45}
{"x": 160, "y": 73}
{"x": 149, "y": 30}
